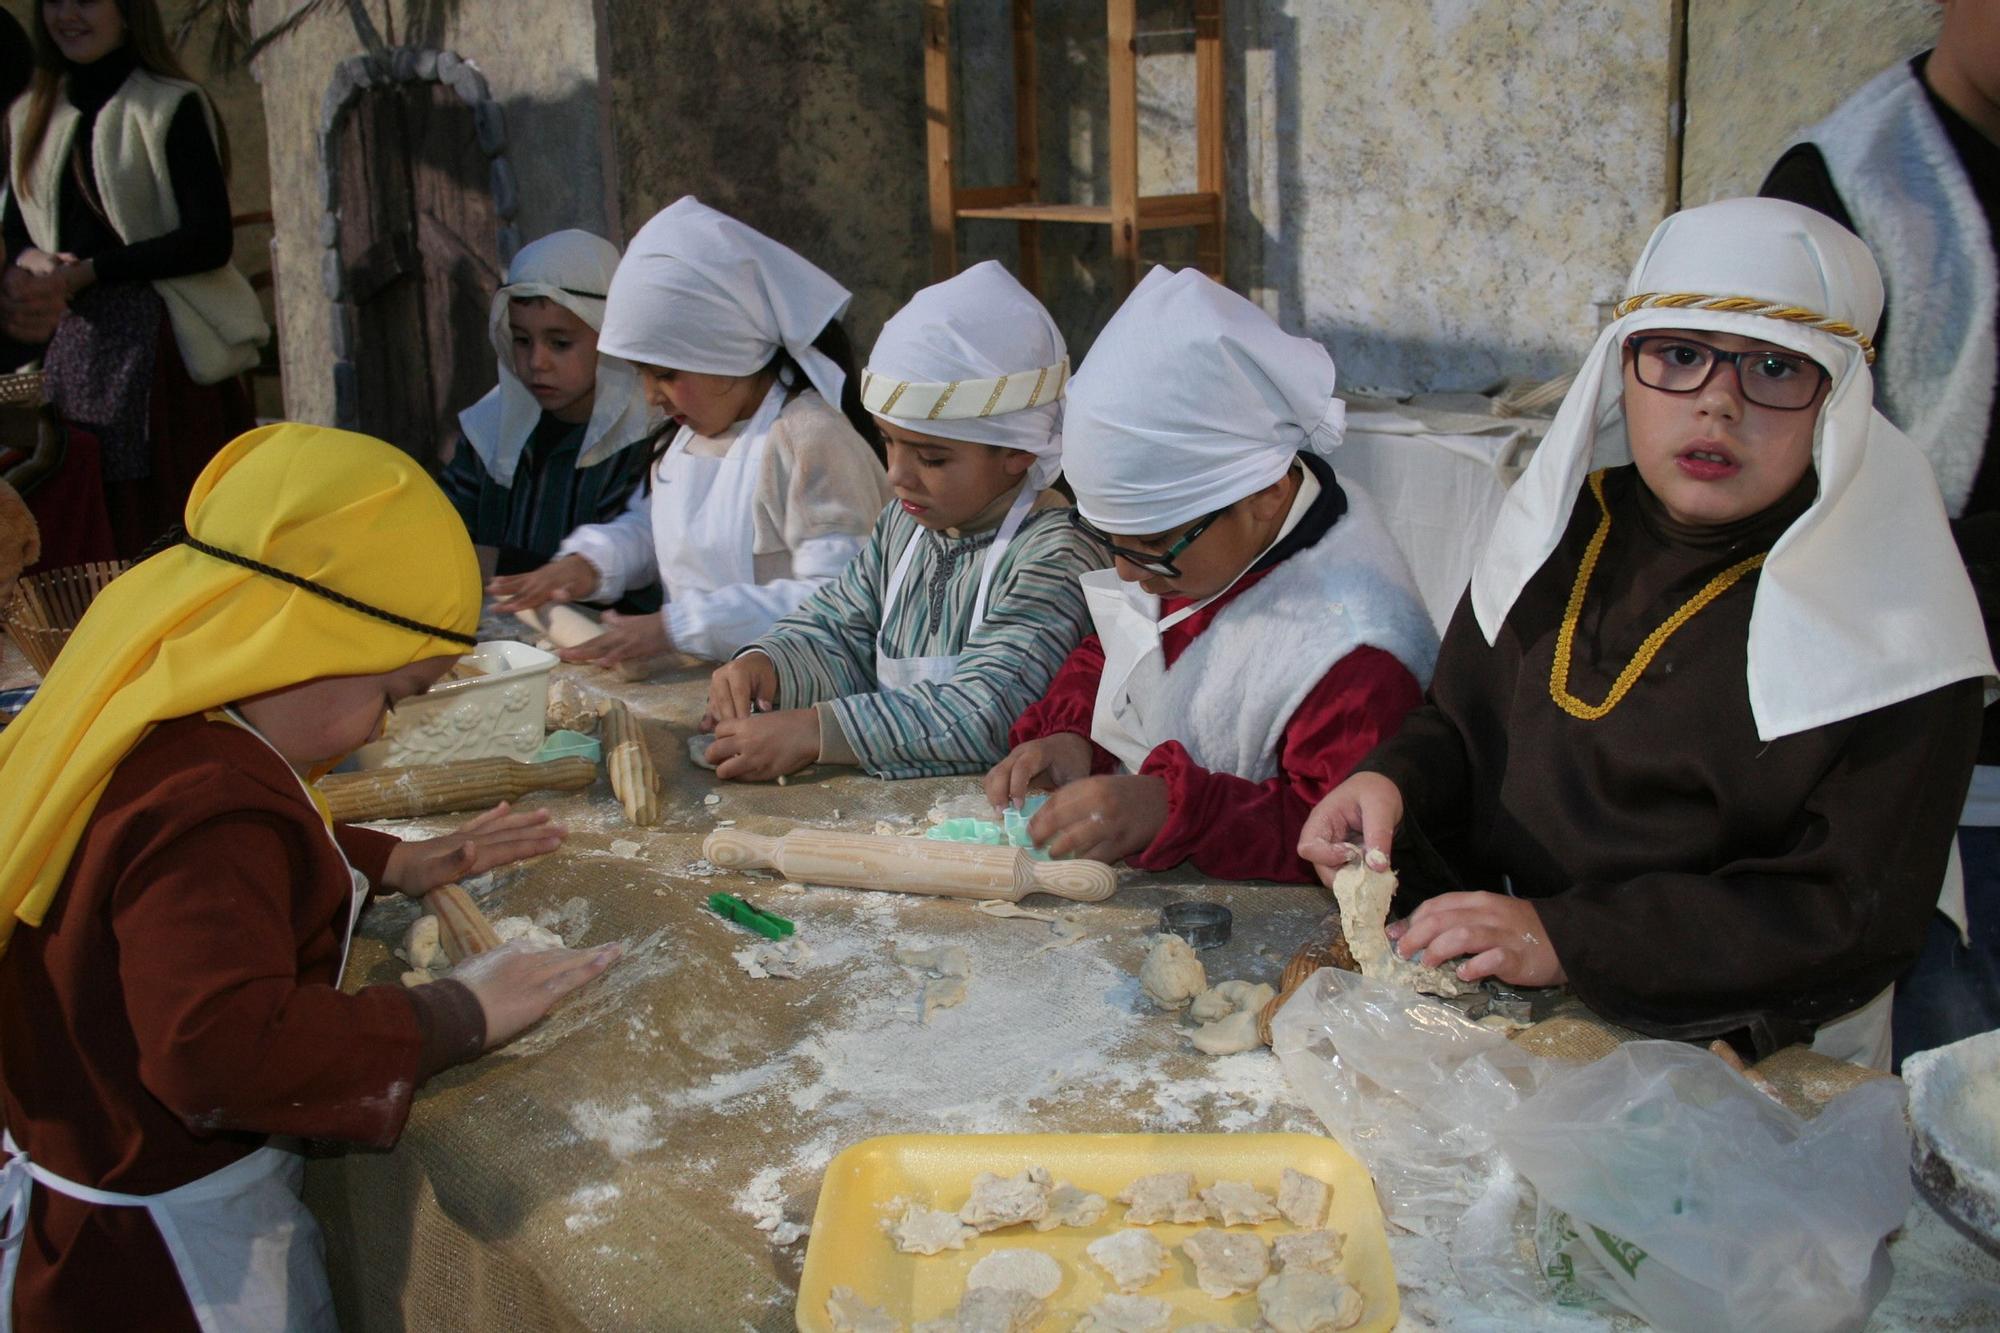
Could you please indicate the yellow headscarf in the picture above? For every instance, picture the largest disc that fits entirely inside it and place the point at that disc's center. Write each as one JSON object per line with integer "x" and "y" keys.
{"x": 185, "y": 631}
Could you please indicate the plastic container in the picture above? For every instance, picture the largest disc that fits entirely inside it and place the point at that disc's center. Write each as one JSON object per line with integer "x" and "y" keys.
{"x": 503, "y": 712}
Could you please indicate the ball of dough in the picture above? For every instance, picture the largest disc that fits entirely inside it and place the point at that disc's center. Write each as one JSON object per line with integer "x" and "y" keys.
{"x": 421, "y": 946}
{"x": 1025, "y": 1270}
{"x": 1171, "y": 974}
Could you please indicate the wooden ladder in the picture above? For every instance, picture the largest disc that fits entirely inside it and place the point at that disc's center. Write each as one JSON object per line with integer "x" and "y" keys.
{"x": 1129, "y": 213}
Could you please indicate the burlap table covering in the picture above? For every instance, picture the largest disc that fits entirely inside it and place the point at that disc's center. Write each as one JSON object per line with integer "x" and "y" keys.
{"x": 609, "y": 1171}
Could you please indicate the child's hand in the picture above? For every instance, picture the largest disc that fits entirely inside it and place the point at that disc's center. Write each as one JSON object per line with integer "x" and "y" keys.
{"x": 517, "y": 983}
{"x": 625, "y": 639}
{"x": 1497, "y": 936}
{"x": 765, "y": 746}
{"x": 740, "y": 689}
{"x": 1367, "y": 804}
{"x": 492, "y": 839}
{"x": 566, "y": 579}
{"x": 1101, "y": 819}
{"x": 1051, "y": 761}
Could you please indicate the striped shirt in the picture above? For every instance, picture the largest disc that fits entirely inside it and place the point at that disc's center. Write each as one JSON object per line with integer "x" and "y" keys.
{"x": 1035, "y": 614}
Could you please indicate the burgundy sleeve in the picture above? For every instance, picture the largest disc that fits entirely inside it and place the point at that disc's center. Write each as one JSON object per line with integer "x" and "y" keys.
{"x": 367, "y": 850}
{"x": 1068, "y": 705}
{"x": 1233, "y": 828}
{"x": 229, "y": 1037}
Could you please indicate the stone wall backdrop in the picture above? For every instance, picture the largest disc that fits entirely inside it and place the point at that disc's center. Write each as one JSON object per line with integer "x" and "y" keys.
{"x": 1759, "y": 71}
{"x": 540, "y": 64}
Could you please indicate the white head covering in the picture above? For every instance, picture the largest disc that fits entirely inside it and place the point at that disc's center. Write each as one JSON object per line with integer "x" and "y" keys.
{"x": 572, "y": 269}
{"x": 1191, "y": 399}
{"x": 1864, "y": 600}
{"x": 700, "y": 291}
{"x": 975, "y": 357}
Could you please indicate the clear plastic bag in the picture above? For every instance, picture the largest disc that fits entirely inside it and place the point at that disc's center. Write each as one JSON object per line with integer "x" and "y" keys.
{"x": 1661, "y": 1181}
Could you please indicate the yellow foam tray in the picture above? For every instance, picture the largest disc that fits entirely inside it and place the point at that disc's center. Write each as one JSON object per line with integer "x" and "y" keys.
{"x": 875, "y": 1178}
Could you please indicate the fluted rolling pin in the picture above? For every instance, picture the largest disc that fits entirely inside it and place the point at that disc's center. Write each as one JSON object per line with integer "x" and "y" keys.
{"x": 909, "y": 865}
{"x": 435, "y": 789}
{"x": 630, "y": 764}
{"x": 463, "y": 929}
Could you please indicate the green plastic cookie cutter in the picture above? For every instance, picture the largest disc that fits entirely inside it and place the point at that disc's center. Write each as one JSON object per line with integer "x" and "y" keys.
{"x": 1011, "y": 830}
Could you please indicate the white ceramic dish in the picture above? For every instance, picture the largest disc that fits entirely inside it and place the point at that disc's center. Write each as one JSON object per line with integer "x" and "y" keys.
{"x": 500, "y": 713}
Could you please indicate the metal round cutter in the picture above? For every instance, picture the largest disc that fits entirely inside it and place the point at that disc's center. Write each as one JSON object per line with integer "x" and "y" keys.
{"x": 1203, "y": 925}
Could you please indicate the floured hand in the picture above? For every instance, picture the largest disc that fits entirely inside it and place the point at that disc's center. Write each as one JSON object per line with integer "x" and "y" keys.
{"x": 519, "y": 982}
{"x": 1498, "y": 936}
{"x": 501, "y": 835}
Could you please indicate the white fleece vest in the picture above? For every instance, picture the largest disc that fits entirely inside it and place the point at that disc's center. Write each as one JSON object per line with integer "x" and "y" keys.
{"x": 217, "y": 322}
{"x": 1907, "y": 191}
{"x": 1230, "y": 694}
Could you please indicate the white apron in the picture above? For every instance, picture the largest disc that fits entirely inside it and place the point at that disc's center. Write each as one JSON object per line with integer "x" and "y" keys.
{"x": 704, "y": 516}
{"x": 1128, "y": 626}
{"x": 900, "y": 673}
{"x": 246, "y": 1247}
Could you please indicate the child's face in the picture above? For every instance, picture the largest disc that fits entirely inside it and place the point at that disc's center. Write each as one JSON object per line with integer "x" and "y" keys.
{"x": 555, "y": 355}
{"x": 323, "y": 721}
{"x": 706, "y": 404}
{"x": 85, "y": 31}
{"x": 1222, "y": 550}
{"x": 946, "y": 483}
{"x": 1711, "y": 456}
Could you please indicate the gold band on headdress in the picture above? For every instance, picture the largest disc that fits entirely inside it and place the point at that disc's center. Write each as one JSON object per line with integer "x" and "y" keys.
{"x": 1747, "y": 305}
{"x": 962, "y": 400}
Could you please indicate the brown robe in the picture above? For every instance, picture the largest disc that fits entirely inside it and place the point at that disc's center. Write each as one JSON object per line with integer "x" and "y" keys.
{"x": 179, "y": 1003}
{"x": 1694, "y": 880}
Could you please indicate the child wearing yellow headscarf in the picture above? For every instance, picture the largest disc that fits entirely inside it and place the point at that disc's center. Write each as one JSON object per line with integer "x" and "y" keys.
{"x": 171, "y": 994}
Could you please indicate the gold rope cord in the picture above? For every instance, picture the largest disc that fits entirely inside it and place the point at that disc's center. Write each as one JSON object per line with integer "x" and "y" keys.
{"x": 1566, "y": 635}
{"x": 1747, "y": 305}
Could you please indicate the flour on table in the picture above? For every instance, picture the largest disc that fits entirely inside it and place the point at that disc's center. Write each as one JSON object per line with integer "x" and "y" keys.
{"x": 589, "y": 1203}
{"x": 1306, "y": 1302}
{"x": 763, "y": 1200}
{"x": 1130, "y": 1258}
{"x": 1303, "y": 1198}
{"x": 923, "y": 1230}
{"x": 1237, "y": 1203}
{"x": 1227, "y": 1263}
{"x": 625, "y": 848}
{"x": 624, "y": 1131}
{"x": 1026, "y": 1270}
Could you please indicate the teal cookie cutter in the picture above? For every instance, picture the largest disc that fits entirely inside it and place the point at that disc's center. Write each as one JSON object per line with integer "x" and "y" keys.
{"x": 1011, "y": 830}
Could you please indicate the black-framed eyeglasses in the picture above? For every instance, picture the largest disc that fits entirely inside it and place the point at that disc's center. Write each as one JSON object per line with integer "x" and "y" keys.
{"x": 1673, "y": 363}
{"x": 1153, "y": 562}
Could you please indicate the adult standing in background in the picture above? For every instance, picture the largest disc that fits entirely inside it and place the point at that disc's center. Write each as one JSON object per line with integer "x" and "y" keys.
{"x": 1911, "y": 163}
{"x": 119, "y": 205}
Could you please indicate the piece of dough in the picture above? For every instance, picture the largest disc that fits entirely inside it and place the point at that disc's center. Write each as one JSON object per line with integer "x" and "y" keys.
{"x": 1126, "y": 1314}
{"x": 1238, "y": 1203}
{"x": 1165, "y": 1197}
{"x": 946, "y": 960}
{"x": 1071, "y": 1207}
{"x": 422, "y": 949}
{"x": 1364, "y": 896}
{"x": 1310, "y": 1251}
{"x": 1227, "y": 1263}
{"x": 998, "y": 1310}
{"x": 774, "y": 958}
{"x": 848, "y": 1313}
{"x": 698, "y": 749}
{"x": 924, "y": 1230}
{"x": 1028, "y": 1270}
{"x": 511, "y": 928}
{"x": 1007, "y": 1201}
{"x": 1228, "y": 1036}
{"x": 1130, "y": 1258}
{"x": 1303, "y": 1198}
{"x": 1171, "y": 974}
{"x": 1230, "y": 997}
{"x": 1305, "y": 1302}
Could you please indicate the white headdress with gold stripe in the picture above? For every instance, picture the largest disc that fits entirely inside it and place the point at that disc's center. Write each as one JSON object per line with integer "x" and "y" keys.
{"x": 975, "y": 357}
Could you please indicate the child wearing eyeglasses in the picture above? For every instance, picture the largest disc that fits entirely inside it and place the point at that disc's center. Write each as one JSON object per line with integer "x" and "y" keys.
{"x": 1702, "y": 725}
{"x": 1259, "y": 631}
{"x": 965, "y": 600}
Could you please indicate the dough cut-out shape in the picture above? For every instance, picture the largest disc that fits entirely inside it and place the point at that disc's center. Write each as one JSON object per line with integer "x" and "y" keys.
{"x": 1309, "y": 1251}
{"x": 923, "y": 1230}
{"x": 1237, "y": 1203}
{"x": 1306, "y": 1302}
{"x": 1167, "y": 1196}
{"x": 1227, "y": 1263}
{"x": 1072, "y": 1207}
{"x": 1131, "y": 1258}
{"x": 1126, "y": 1314}
{"x": 1005, "y": 1201}
{"x": 1027, "y": 1270}
{"x": 1303, "y": 1198}
{"x": 848, "y": 1313}
{"x": 998, "y": 1310}
{"x": 1364, "y": 896}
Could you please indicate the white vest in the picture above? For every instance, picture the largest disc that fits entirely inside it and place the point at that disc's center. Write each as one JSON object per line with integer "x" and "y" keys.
{"x": 217, "y": 322}
{"x": 1230, "y": 694}
{"x": 1907, "y": 191}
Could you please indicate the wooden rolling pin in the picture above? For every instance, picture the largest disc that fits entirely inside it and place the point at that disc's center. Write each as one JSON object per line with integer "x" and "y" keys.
{"x": 630, "y": 764}
{"x": 436, "y": 789}
{"x": 463, "y": 929}
{"x": 909, "y": 865}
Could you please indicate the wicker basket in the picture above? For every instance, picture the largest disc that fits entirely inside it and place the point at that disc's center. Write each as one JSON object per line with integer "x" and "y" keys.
{"x": 49, "y": 605}
{"x": 22, "y": 388}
